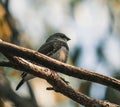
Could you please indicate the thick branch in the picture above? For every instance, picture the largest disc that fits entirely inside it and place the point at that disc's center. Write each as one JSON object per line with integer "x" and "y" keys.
{"x": 58, "y": 84}
{"x": 59, "y": 66}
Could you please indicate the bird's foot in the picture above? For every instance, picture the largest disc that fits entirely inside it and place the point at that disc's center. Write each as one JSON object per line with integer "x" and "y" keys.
{"x": 65, "y": 80}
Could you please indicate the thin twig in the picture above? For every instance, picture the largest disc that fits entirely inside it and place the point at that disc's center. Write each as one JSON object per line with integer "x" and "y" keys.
{"x": 32, "y": 94}
{"x": 7, "y": 93}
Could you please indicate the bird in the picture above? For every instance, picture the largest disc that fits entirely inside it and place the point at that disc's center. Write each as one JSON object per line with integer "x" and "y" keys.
{"x": 55, "y": 47}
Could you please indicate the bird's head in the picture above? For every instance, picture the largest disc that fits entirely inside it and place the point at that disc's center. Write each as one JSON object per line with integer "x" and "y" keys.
{"x": 58, "y": 36}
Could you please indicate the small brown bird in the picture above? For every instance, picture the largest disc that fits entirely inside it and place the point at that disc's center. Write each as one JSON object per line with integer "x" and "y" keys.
{"x": 55, "y": 47}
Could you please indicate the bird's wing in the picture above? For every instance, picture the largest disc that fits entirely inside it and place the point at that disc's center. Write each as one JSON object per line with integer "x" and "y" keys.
{"x": 48, "y": 49}
{"x": 51, "y": 47}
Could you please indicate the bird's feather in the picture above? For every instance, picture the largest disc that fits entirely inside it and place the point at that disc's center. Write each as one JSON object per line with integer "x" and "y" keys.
{"x": 51, "y": 47}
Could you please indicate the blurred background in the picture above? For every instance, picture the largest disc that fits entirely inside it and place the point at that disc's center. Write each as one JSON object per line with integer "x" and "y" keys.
{"x": 94, "y": 29}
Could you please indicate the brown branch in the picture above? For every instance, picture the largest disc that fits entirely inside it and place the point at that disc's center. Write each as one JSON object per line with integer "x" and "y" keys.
{"x": 57, "y": 66}
{"x": 5, "y": 64}
{"x": 58, "y": 84}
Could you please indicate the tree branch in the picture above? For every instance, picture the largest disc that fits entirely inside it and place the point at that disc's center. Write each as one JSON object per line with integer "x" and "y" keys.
{"x": 58, "y": 66}
{"x": 18, "y": 57}
{"x": 5, "y": 64}
{"x": 58, "y": 84}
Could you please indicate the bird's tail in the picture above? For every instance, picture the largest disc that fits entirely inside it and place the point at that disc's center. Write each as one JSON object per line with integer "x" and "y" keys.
{"x": 20, "y": 84}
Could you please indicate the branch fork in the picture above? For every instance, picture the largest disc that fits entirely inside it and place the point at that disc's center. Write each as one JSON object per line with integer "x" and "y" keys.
{"x": 21, "y": 59}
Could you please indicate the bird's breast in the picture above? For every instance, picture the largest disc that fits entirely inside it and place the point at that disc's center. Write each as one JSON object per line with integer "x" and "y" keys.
{"x": 61, "y": 54}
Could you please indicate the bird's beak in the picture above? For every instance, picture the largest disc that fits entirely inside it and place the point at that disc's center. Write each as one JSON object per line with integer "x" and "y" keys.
{"x": 68, "y": 39}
